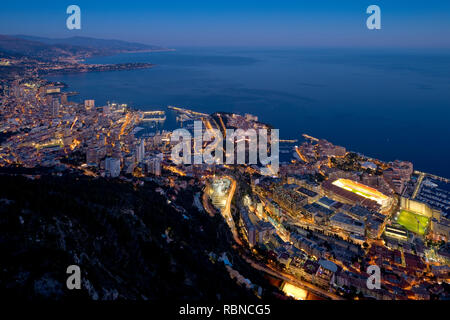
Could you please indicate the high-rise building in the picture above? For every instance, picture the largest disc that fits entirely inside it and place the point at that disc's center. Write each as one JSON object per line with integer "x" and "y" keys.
{"x": 53, "y": 90}
{"x": 140, "y": 151}
{"x": 250, "y": 117}
{"x": 64, "y": 100}
{"x": 54, "y": 106}
{"x": 154, "y": 166}
{"x": 112, "y": 167}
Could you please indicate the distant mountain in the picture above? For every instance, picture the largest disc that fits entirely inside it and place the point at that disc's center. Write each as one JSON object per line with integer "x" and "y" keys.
{"x": 21, "y": 47}
{"x": 46, "y": 48}
{"x": 100, "y": 44}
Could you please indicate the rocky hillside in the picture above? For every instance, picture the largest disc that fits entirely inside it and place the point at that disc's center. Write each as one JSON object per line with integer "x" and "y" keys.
{"x": 128, "y": 241}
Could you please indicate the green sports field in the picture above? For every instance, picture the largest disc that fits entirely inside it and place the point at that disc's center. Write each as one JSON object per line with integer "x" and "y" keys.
{"x": 409, "y": 221}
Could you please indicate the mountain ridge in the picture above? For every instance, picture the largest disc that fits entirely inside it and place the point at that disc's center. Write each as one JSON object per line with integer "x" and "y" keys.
{"x": 73, "y": 47}
{"x": 92, "y": 42}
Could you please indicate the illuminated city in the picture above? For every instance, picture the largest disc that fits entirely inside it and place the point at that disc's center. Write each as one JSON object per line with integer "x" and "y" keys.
{"x": 91, "y": 181}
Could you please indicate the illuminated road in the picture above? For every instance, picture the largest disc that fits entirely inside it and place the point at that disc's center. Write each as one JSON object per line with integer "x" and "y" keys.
{"x": 291, "y": 279}
{"x": 125, "y": 124}
{"x": 226, "y": 212}
{"x": 227, "y": 209}
{"x": 75, "y": 121}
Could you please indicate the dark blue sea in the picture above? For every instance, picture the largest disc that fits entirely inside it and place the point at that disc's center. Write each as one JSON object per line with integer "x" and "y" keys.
{"x": 386, "y": 104}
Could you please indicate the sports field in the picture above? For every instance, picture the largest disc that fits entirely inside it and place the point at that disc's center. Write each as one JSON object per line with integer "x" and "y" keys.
{"x": 413, "y": 222}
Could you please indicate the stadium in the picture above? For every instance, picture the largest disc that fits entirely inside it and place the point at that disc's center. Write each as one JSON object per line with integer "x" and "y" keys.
{"x": 363, "y": 190}
{"x": 352, "y": 192}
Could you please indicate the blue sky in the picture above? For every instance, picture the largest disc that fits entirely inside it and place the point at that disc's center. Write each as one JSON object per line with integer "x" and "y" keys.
{"x": 309, "y": 23}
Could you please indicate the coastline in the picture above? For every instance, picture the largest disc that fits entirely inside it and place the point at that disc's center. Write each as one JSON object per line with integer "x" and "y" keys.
{"x": 385, "y": 145}
{"x": 98, "y": 68}
{"x": 83, "y": 60}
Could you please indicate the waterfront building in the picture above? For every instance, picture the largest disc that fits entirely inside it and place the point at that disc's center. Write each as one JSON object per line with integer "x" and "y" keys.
{"x": 328, "y": 149}
{"x": 89, "y": 104}
{"x": 250, "y": 117}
